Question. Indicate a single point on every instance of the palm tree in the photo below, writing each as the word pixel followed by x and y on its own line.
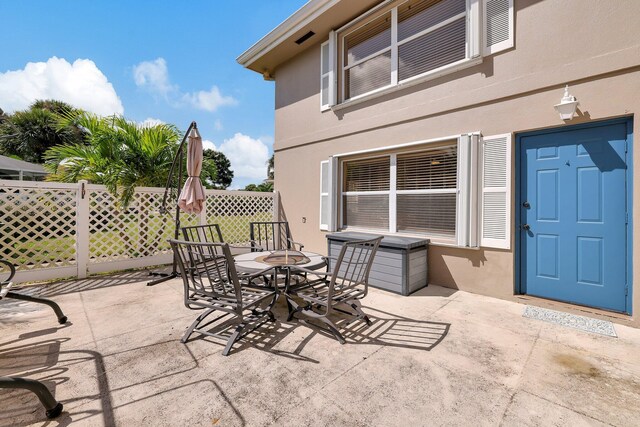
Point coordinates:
pixel 119 154
pixel 271 169
pixel 29 133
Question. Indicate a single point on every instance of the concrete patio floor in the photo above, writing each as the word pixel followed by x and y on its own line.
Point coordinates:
pixel 438 357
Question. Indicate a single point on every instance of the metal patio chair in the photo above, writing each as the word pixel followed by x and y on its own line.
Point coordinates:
pixel 272 236
pixel 211 282
pixel 340 289
pixel 52 407
pixel 208 233
pixel 7 271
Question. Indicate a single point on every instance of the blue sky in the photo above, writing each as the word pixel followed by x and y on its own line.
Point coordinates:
pixel 172 61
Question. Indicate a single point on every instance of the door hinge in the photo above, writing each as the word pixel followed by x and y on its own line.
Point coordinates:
pixel 626 290
pixel 626 218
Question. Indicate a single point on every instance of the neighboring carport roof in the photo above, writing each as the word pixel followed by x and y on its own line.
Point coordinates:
pixel 7 163
pixel 319 16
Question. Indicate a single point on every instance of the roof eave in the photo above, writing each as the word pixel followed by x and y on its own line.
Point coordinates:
pixel 303 16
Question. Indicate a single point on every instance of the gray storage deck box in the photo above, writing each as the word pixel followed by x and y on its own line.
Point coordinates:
pixel 400 265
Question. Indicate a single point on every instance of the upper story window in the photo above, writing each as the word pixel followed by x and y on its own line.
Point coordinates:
pixel 410 40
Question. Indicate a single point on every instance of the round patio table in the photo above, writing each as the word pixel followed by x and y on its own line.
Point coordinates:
pixel 255 261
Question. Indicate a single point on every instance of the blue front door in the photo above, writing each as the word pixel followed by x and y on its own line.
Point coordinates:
pixel 573 215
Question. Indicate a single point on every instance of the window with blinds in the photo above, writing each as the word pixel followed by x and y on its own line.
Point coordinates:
pixel 403 42
pixel 431 34
pixel 365 199
pixel 412 193
pixel 367 57
pixel 411 39
pixel 426 192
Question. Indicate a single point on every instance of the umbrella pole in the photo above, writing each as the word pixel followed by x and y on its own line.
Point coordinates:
pixel 179 158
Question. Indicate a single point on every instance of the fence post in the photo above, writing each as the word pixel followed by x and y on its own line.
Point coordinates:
pixel 276 206
pixel 82 229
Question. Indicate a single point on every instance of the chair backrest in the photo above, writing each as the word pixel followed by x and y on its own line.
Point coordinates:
pixel 208 233
pixel 270 236
pixel 353 265
pixel 207 269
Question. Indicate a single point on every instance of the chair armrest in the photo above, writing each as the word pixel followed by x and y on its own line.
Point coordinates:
pixel 5 287
pixel 251 276
pixel 248 248
pixel 255 247
pixel 294 243
pixel 295 269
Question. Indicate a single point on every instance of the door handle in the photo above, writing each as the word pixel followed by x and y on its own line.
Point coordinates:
pixel 526 227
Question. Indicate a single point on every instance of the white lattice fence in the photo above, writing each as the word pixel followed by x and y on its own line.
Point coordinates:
pixel 233 211
pixel 129 238
pixel 38 227
pixel 51 230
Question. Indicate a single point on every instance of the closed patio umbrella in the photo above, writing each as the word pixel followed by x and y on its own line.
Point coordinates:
pixel 192 197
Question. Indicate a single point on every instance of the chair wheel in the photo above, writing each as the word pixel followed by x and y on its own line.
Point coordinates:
pixel 62 320
pixel 53 413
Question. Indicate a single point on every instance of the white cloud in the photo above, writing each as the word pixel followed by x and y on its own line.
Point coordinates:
pixel 217 125
pixel 208 100
pixel 150 122
pixel 208 145
pixel 154 77
pixel 248 156
pixel 81 84
pixel 266 139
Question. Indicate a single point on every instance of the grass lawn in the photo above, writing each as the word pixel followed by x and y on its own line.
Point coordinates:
pixel 124 241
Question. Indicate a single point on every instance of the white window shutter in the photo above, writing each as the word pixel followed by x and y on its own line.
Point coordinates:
pixel 325 78
pixel 327 72
pixel 474 178
pixel 496 192
pixel 467 207
pixel 497 27
pixel 474 29
pixel 333 64
pixel 328 194
pixel 325 196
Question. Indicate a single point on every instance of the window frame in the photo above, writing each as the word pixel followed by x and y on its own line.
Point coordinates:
pixel 472 47
pixel 393 192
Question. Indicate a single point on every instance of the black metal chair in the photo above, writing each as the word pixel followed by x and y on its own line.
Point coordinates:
pixel 340 289
pixel 208 233
pixel 52 407
pixel 211 282
pixel 272 236
pixel 7 272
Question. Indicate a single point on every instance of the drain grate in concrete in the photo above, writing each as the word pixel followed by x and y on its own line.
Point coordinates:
pixel 582 323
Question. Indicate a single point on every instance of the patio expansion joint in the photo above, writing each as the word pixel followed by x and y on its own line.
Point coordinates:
pixel 360 362
pixel 331 381
pixel 449 301
pixel 86 315
pixel 591 417
pixel 517 388
pixel 156 325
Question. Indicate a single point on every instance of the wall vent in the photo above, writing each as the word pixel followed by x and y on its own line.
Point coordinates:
pixel 305 37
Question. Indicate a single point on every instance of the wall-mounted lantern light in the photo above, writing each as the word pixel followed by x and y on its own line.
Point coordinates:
pixel 567 106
